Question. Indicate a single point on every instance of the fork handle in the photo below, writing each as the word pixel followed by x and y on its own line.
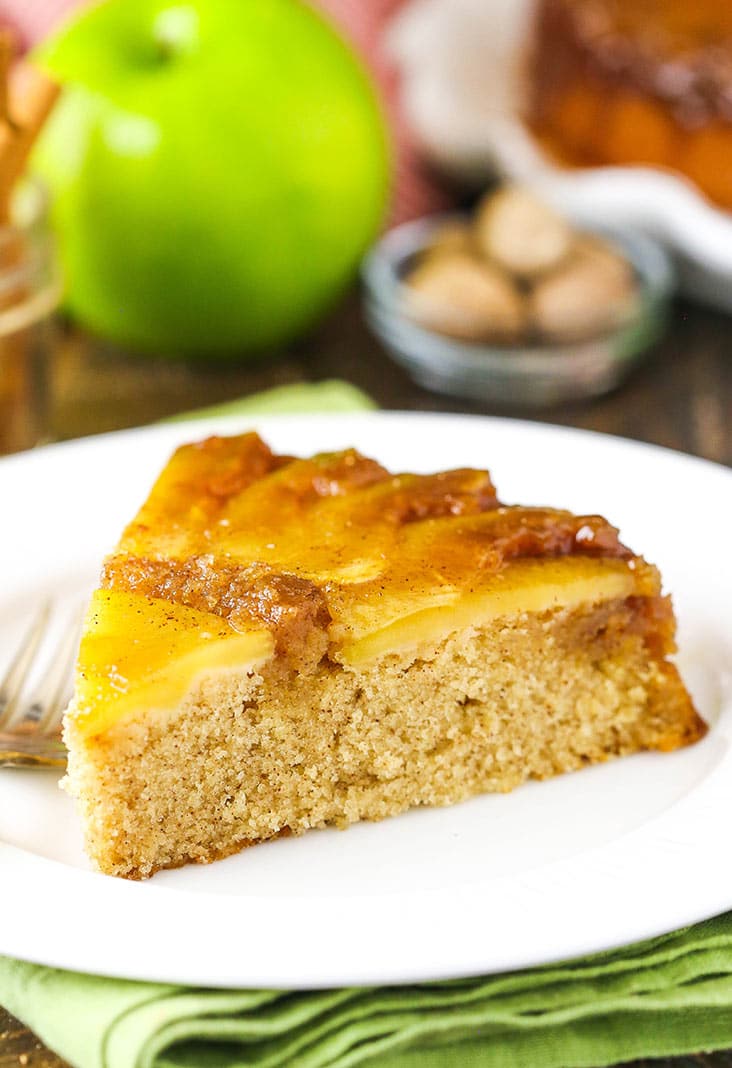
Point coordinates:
pixel 39 752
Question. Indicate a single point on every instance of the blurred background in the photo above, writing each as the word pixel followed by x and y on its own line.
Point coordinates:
pixel 512 207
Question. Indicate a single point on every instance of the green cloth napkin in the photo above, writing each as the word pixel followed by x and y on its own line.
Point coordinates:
pixel 671 995
pixel 300 397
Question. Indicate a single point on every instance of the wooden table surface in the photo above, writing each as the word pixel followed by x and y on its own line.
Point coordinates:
pixel 681 398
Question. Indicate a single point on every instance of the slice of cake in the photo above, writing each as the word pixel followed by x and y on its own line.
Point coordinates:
pixel 279 644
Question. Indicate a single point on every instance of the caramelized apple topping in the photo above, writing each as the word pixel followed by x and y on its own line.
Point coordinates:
pixel 232 529
pixel 293 608
pixel 197 482
pixel 450 493
pixel 335 474
pixel 522 532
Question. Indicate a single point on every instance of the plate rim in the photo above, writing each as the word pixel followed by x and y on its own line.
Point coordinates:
pixel 175 426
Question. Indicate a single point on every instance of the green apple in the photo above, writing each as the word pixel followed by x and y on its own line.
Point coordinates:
pixel 217 168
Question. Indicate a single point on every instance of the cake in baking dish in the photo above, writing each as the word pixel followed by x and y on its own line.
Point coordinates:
pixel 279 644
pixel 637 82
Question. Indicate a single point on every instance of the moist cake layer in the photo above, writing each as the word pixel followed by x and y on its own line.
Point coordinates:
pixel 249 755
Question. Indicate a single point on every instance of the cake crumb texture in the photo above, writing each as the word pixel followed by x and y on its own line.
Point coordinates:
pixel 247 756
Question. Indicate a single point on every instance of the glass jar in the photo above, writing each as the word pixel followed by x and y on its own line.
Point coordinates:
pixel 29 294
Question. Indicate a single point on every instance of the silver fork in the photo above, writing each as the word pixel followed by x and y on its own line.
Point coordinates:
pixel 30 726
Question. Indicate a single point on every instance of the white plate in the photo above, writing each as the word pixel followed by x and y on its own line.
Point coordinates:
pixel 580 863
pixel 463 88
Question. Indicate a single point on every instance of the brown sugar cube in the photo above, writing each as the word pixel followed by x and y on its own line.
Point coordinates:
pixel 462 297
pixel 520 233
pixel 593 291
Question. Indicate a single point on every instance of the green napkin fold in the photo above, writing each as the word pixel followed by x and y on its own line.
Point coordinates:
pixel 671 995
pixel 332 395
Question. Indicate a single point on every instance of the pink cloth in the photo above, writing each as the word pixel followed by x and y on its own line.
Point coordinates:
pixel 416 191
pixel 33 18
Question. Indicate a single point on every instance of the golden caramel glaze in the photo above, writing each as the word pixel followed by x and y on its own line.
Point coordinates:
pixel 293 608
pixel 636 81
pixel 327 550
pixel 137 649
pixel 188 507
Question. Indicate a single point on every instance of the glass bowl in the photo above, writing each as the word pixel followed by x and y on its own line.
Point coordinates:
pixel 527 375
